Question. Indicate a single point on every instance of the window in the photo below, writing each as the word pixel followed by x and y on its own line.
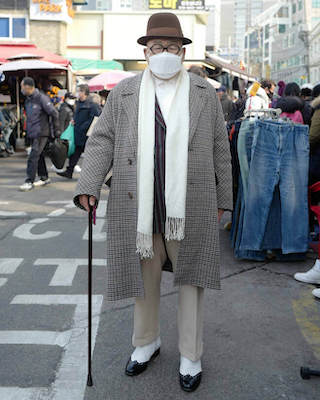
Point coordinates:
pixel 283 12
pixel 13 28
pixel 266 32
pixel 300 5
pixel 292 40
pixel 316 3
pixel 266 49
pixel 126 3
pixel 294 8
pixel 18 27
pixel 282 28
pixel 4 27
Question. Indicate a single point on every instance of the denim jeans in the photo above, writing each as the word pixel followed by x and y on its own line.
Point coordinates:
pixel 244 145
pixel 279 155
pixel 36 160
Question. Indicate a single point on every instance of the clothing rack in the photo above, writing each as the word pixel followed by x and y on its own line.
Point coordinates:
pixel 272 112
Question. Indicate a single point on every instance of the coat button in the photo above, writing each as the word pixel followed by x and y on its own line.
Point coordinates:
pixel 130 195
pixel 129 161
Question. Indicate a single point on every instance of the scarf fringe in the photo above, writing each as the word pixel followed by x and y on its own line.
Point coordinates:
pixel 144 245
pixel 174 228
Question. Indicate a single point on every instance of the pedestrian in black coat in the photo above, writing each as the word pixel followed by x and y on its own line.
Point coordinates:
pixel 41 117
pixel 86 110
pixel 66 111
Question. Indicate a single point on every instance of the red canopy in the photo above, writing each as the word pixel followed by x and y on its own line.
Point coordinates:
pixel 8 50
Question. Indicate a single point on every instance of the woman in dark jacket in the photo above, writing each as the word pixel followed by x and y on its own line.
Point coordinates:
pixel 66 111
pixel 291 102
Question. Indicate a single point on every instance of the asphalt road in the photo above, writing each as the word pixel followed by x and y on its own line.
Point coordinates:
pixel 259 329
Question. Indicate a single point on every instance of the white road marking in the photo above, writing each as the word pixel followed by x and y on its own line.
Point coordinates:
pixel 12 213
pixel 57 213
pixel 50 338
pixel 9 265
pixel 4 202
pixel 24 231
pixel 66 268
pixel 17 393
pixel 102 209
pixel 71 377
pixel 68 203
pixel 97 234
pixel 3 281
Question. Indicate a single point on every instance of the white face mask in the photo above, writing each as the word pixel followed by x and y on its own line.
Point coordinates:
pixel 71 102
pixel 165 65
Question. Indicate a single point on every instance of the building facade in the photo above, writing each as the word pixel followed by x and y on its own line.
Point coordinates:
pixel 291 52
pixel 315 55
pixel 100 35
pixel 245 13
pixel 279 44
pixel 259 39
pixel 43 23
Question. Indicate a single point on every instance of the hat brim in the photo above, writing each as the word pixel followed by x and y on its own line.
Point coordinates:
pixel 144 39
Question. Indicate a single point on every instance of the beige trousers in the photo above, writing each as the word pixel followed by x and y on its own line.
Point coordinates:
pixel 146 327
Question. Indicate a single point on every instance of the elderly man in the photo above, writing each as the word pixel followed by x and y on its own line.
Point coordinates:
pixel 164 135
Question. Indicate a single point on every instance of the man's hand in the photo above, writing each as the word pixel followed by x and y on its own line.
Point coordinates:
pixel 220 214
pixel 85 200
pixel 72 122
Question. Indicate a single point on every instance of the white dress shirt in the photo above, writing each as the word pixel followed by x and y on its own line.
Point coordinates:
pixel 165 90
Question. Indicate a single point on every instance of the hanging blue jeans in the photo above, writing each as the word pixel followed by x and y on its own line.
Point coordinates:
pixel 244 145
pixel 279 155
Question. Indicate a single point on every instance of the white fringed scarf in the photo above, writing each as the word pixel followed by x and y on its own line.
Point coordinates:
pixel 176 163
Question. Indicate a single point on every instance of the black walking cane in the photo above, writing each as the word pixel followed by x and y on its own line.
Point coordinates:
pixel 91 216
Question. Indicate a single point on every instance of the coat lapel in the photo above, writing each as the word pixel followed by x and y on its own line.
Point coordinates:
pixel 130 99
pixel 197 101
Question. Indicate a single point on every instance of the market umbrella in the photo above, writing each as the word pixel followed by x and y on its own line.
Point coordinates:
pixel 108 80
pixel 214 83
pixel 25 65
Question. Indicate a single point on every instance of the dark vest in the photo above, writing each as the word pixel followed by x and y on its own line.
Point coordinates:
pixel 159 205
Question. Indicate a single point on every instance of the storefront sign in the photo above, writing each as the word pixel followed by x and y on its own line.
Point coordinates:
pixel 51 10
pixel 177 4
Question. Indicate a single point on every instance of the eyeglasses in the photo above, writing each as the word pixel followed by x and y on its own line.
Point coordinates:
pixel 158 48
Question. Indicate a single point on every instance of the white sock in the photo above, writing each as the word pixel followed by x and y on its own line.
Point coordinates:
pixel 188 367
pixel 144 353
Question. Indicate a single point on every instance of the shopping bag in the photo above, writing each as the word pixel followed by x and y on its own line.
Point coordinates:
pixel 57 151
pixel 68 135
pixel 90 130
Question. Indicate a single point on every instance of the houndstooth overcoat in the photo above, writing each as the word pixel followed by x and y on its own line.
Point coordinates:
pixel 113 144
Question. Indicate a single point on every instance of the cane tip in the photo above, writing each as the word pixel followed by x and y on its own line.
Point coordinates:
pixel 89 381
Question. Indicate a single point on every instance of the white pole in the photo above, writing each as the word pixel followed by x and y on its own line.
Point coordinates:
pixel 18 104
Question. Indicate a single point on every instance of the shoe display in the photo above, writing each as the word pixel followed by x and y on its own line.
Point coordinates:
pixel 316 293
pixel 65 174
pixel 26 187
pixel 190 383
pixel 134 368
pixel 311 276
pixel 42 182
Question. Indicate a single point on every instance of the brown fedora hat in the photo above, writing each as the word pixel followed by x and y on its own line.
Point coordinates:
pixel 163 25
